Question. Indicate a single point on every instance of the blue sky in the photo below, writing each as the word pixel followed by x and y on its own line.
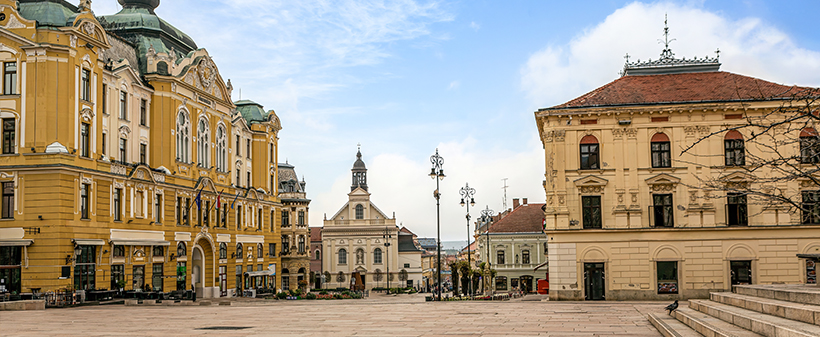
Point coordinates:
pixel 404 77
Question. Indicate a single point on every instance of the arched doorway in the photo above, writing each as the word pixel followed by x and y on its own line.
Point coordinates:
pixel 203 270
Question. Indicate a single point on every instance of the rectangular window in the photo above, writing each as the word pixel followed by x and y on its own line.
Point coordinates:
pixel 186 213
pixel 239 278
pixel 271 156
pixel 156 277
pixel 105 99
pixel 119 251
pixel 207 216
pixel 810 149
pixel 667 277
pixel 104 143
pixel 143 149
pixel 9 127
pixel 260 219
pixel 663 211
pixel 85 87
pixel 734 152
pixel 182 273
pixel 589 156
pixel 406 265
pixel 179 210
pixel 224 216
pixel 500 283
pixel 286 245
pixel 248 182
pixel 271 250
pixel 285 219
pixel 117 204
pixel 237 149
pixel 736 214
pixel 85 189
pixel 10 78
pixel 8 200
pixel 85 269
pixel 123 105
pixel 238 178
pixel 117 276
pixel 123 147
pixel 499 257
pixel 248 148
pixel 301 218
pixel 661 156
pixel 272 219
pixel 592 211
pixel 158 209
pixel 239 217
pixel 140 196
pixel 811 207
pixel 143 112
pixel 525 257
pixel 85 142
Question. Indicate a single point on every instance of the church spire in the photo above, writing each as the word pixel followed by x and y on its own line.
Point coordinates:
pixel 359 172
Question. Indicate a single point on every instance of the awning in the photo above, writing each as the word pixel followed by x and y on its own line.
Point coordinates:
pixel 809 256
pixel 545 264
pixel 122 242
pixel 89 242
pixel 15 242
pixel 260 273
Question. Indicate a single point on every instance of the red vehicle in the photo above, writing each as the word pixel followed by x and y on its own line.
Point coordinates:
pixel 544 286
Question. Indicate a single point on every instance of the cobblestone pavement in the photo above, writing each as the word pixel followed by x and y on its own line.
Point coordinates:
pixel 379 315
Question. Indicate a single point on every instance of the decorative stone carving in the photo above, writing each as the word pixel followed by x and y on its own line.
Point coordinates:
pixel 117 169
pixel 159 177
pixel 139 175
pixel 207 72
pixel 554 135
pixel 619 133
pixel 87 180
pixel 71 38
pixel 89 28
pixel 87 115
pixel 661 188
pixel 561 199
pixel 118 184
pixel 591 189
pixel 690 130
pixel 15 23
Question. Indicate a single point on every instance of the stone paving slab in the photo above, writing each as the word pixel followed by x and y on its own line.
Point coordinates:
pixel 405 315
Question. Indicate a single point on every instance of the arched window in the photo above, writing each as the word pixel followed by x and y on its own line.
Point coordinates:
pixel 359 212
pixel 377 256
pixel 661 151
pixel 223 250
pixel 318 254
pixel 183 134
pixel 259 251
pixel 181 250
pixel 239 251
pixel 734 149
pixel 221 149
pixel 203 136
pixel 342 256
pixel 589 153
pixel 809 146
pixel 359 256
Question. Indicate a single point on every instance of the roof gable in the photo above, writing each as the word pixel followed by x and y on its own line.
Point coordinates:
pixel 527 218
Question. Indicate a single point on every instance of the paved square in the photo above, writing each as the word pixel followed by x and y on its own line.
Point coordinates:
pixel 405 315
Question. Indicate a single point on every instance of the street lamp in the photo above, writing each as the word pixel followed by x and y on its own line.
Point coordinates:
pixel 386 236
pixel 487 216
pixel 437 172
pixel 467 193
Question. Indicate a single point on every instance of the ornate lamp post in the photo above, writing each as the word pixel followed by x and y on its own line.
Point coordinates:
pixel 386 236
pixel 487 215
pixel 437 172
pixel 467 193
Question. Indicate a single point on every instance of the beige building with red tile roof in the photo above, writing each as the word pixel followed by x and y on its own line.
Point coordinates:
pixel 624 216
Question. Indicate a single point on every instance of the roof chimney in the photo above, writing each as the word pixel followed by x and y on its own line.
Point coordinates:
pixel 515 203
pixel 524 201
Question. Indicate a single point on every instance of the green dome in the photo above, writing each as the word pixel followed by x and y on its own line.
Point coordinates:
pixel 47 13
pixel 251 111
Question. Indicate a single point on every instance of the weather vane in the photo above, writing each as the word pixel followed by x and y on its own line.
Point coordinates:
pixel 667 53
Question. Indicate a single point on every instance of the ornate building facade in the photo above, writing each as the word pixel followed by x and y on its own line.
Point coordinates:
pixel 295 233
pixel 125 163
pixel 625 217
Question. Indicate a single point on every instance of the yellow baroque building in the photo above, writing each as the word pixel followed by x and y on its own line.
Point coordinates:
pixel 125 163
pixel 624 215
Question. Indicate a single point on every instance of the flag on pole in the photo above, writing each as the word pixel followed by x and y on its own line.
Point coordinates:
pixel 234 199
pixel 218 199
pixel 198 199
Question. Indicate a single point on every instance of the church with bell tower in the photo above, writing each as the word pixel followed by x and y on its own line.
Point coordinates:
pixel 360 242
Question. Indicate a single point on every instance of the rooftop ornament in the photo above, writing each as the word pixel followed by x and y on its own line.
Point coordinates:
pixel 668 64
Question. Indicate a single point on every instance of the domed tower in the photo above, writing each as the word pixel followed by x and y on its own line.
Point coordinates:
pixel 359 173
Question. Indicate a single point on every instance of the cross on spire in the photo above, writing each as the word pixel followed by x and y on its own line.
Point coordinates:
pixel 667 53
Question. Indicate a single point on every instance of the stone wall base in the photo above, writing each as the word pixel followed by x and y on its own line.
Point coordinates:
pixel 23 305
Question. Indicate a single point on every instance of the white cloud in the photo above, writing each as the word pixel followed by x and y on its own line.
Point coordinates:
pixel 475 26
pixel 749 46
pixel 454 85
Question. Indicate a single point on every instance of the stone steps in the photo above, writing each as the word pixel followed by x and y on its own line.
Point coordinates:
pixel 797 293
pixel 709 326
pixel 671 327
pixel 806 313
pixel 766 325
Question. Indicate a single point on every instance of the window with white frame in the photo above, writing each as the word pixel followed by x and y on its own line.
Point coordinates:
pixel 85 91
pixel 9 78
pixel 221 149
pixel 203 135
pixel 183 134
pixel 124 105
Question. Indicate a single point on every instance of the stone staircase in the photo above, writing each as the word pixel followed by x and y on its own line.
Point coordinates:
pixel 751 310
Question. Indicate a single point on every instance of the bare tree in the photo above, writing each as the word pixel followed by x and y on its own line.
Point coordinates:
pixel 378 276
pixel 770 155
pixel 340 277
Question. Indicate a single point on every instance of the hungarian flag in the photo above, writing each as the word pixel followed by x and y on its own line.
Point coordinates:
pixel 219 199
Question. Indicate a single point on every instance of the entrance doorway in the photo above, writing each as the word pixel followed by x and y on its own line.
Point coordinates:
pixel 594 281
pixel 139 277
pixel 526 284
pixel 223 281
pixel 741 272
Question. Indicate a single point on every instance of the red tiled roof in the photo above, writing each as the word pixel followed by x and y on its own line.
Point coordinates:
pixel 404 229
pixel 680 88
pixel 528 218
pixel 315 234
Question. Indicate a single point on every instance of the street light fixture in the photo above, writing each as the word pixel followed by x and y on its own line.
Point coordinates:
pixel 386 236
pixel 437 172
pixel 467 193
pixel 487 216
